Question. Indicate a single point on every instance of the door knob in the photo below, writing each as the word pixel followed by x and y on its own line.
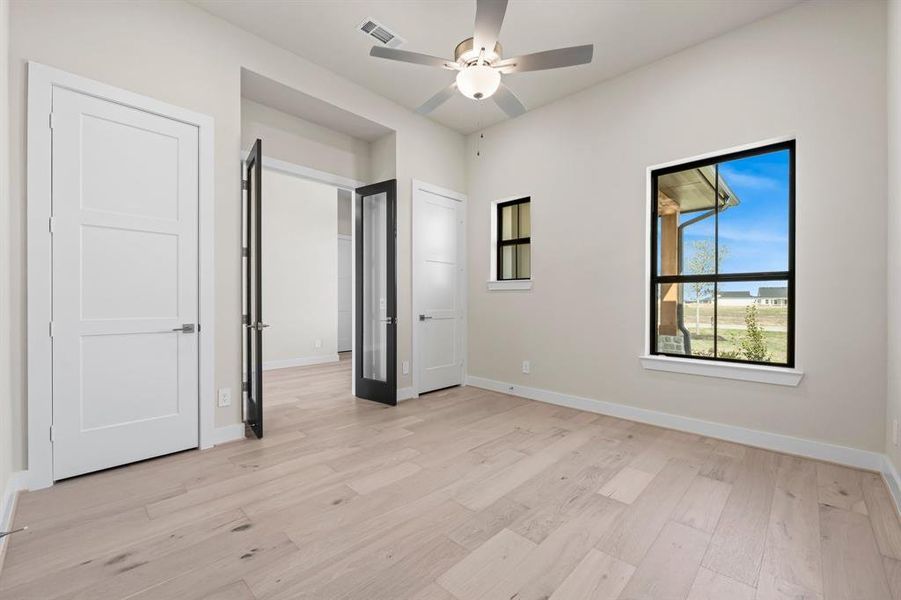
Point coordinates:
pixel 186 328
pixel 424 317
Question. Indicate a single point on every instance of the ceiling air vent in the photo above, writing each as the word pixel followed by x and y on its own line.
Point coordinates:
pixel 385 36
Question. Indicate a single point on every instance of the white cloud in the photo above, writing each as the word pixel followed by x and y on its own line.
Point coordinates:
pixel 746 180
pixel 735 234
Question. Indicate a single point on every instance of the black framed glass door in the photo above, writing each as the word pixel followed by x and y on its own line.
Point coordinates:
pixel 251 265
pixel 375 343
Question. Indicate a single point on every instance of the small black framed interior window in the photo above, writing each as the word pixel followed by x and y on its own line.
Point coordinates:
pixel 723 257
pixel 514 249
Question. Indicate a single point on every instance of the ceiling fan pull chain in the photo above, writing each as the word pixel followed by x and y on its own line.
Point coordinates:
pixel 481 133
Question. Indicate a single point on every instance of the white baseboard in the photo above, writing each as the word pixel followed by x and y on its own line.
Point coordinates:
pixel 17 483
pixel 228 433
pixel 406 393
pixel 853 457
pixel 302 361
pixel 893 481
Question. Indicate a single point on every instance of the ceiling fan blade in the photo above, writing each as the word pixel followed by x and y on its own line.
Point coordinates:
pixel 508 102
pixel 412 57
pixel 437 100
pixel 489 18
pixel 549 59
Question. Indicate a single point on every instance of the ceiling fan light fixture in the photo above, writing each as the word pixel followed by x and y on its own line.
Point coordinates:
pixel 478 81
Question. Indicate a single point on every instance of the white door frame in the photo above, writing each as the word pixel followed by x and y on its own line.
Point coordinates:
pixel 419 187
pixel 41 81
pixel 308 173
pixel 350 238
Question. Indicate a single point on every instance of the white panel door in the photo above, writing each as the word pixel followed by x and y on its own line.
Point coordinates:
pixel 438 228
pixel 125 200
pixel 345 293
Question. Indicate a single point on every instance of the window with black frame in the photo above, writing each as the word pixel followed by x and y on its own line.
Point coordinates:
pixel 514 249
pixel 722 257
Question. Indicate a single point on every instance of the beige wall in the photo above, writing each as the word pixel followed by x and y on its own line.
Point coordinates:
pixel 383 163
pixel 894 227
pixel 180 54
pixel 7 462
pixel 345 212
pixel 816 73
pixel 302 142
pixel 300 269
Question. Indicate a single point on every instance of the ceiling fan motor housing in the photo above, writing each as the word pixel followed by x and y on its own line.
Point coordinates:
pixel 466 54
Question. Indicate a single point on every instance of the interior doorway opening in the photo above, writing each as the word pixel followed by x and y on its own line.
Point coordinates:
pixel 314 159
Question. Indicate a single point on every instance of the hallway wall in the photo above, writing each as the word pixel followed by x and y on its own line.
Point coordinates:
pixel 303 143
pixel 300 271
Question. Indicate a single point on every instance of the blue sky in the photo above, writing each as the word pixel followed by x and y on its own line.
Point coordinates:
pixel 756 231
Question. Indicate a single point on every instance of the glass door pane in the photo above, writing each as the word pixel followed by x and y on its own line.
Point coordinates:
pixel 375 287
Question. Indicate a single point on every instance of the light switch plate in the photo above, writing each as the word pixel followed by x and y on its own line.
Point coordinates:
pixel 405 367
pixel 318 343
pixel 225 397
pixel 526 367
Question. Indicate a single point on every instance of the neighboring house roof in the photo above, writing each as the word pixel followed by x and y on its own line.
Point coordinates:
pixel 744 294
pixel 773 292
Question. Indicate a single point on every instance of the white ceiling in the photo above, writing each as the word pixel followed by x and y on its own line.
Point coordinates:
pixel 626 35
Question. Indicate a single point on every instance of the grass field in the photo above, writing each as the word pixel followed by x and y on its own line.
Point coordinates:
pixel 731 324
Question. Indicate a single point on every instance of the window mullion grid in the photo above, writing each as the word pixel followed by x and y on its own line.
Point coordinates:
pixel 723 277
pixel 500 237
pixel 716 253
pixel 515 242
pixel 516 248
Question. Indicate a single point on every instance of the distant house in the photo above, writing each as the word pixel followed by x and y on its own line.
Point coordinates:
pixel 742 298
pixel 772 296
pixel 766 296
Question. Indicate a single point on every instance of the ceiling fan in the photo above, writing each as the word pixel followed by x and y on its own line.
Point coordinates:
pixel 479 63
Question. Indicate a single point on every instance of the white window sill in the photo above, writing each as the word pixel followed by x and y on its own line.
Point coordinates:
pixel 516 284
pixel 724 370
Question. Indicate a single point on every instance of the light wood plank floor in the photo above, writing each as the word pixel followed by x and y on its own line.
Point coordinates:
pixel 462 494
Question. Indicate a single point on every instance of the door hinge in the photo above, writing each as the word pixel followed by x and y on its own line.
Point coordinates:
pixel 51 433
pixel 245 386
pixel 51 225
pixel 245 252
pixel 51 120
pixel 244 184
pixel 51 329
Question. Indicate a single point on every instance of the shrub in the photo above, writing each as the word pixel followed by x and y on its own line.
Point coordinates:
pixel 752 345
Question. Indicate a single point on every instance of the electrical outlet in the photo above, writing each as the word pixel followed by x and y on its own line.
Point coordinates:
pixel 405 367
pixel 526 367
pixel 318 343
pixel 895 432
pixel 225 397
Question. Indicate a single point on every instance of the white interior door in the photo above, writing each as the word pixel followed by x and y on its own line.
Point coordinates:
pixel 345 294
pixel 125 281
pixel 438 230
